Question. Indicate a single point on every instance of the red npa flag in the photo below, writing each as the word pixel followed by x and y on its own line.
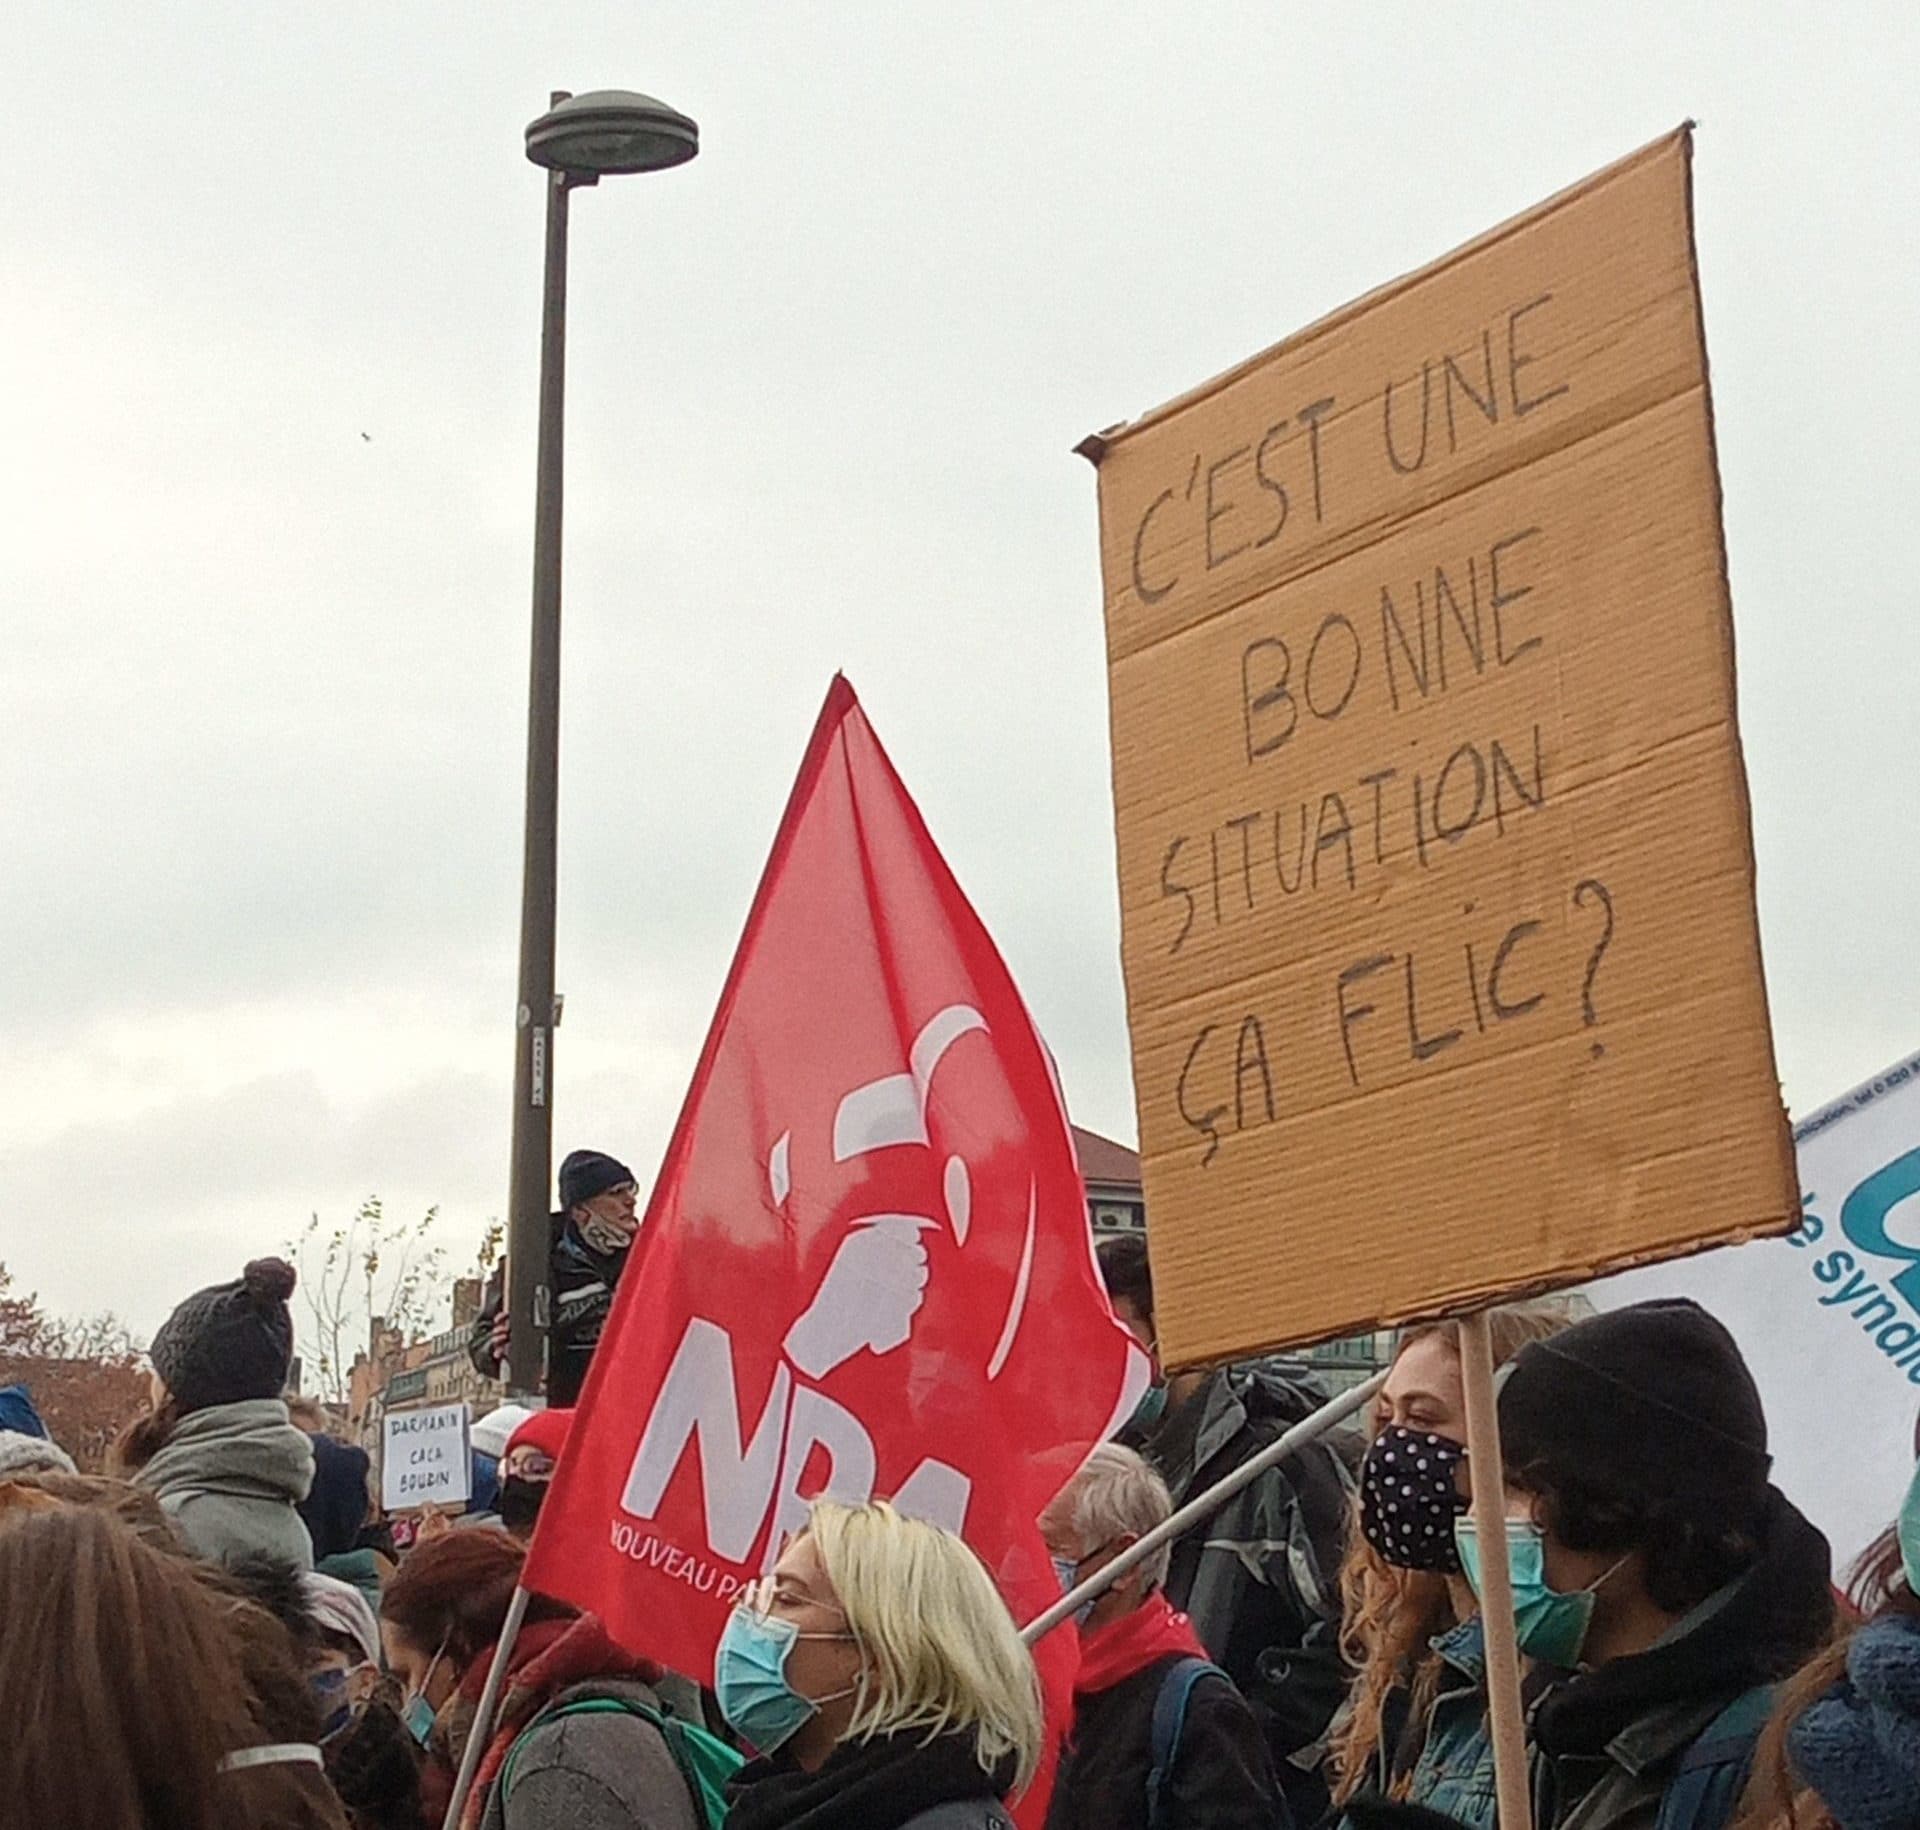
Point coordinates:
pixel 866 1268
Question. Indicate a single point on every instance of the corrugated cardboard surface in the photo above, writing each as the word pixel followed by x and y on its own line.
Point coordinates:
pixel 1436 876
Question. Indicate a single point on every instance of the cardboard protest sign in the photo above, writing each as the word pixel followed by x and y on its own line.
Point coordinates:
pixel 1436 878
pixel 425 1458
pixel 1829 1318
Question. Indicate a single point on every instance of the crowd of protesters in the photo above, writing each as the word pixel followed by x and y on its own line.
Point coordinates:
pixel 220 1632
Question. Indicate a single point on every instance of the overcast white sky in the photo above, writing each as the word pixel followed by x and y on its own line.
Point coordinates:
pixel 262 704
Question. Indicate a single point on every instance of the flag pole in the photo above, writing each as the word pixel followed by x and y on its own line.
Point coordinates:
pixel 484 1711
pixel 1309 1429
pixel 1484 1464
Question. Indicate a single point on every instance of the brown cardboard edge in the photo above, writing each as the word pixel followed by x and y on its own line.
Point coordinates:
pixel 1094 446
pixel 1788 1165
pixel 1097 445
pixel 1497 1296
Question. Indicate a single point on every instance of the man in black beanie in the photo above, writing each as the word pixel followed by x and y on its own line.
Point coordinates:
pixel 1662 1585
pixel 593 1232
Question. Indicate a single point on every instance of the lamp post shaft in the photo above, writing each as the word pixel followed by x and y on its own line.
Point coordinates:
pixel 529 1245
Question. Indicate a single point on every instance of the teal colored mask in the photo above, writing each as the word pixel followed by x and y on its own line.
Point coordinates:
pixel 1551 1627
pixel 750 1679
pixel 417 1713
pixel 419 1717
pixel 1151 1408
pixel 1909 1532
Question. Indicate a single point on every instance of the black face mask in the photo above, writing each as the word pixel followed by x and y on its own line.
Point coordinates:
pixel 1408 1501
pixel 520 1502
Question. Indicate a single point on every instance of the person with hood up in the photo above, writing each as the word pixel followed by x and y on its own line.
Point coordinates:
pixel 593 1234
pixel 1259 1579
pixel 217 1447
pixel 527 1469
pixel 1661 1585
pixel 31 1455
pixel 1161 1740
pixel 341 1497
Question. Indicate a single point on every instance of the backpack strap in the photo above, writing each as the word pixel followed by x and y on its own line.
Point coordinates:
pixel 1169 1723
pixel 702 1768
pixel 1712 1773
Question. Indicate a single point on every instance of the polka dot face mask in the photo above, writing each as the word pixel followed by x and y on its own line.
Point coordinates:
pixel 1408 1501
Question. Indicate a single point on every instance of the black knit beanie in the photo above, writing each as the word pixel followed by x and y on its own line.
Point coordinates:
pixel 230 1342
pixel 1651 1403
pixel 587 1173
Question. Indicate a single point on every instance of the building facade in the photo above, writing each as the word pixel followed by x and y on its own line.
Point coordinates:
pixel 394 1374
pixel 1115 1201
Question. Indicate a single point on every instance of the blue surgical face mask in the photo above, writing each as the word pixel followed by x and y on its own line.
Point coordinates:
pixel 419 1716
pixel 1068 1573
pixel 417 1713
pixel 1908 1529
pixel 1550 1626
pixel 750 1678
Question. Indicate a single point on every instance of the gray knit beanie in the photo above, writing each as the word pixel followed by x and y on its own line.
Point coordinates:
pixel 32 1455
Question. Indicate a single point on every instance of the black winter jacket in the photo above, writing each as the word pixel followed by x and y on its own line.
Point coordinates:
pixel 1260 1578
pixel 895 1782
pixel 1222 1776
pixel 1607 1742
pixel 581 1282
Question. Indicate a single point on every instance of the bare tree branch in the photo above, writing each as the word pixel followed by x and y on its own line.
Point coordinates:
pixel 369 1268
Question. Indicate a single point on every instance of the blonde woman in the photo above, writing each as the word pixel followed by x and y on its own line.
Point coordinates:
pixel 1414 1727
pixel 881 1680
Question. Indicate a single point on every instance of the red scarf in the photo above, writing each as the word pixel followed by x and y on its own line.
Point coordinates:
pixel 1111 1654
pixel 549 1656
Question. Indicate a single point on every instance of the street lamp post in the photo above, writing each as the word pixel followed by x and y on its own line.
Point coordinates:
pixel 580 140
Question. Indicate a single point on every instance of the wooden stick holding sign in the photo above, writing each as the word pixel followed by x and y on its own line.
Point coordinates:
pixel 1484 1465
pixel 1309 1429
pixel 484 1711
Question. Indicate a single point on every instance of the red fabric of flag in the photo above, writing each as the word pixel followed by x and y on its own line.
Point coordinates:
pixel 866 1268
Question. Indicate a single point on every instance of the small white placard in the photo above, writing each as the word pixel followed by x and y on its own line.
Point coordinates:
pixel 425 1459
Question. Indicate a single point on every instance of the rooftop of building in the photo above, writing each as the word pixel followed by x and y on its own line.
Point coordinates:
pixel 1102 1160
